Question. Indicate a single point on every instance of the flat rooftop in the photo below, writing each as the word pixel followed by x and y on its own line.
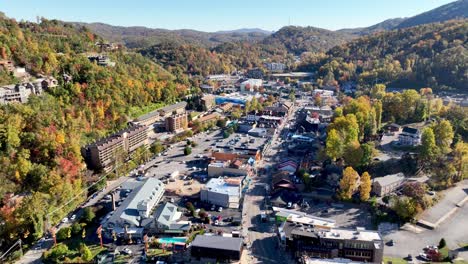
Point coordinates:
pixel 219 185
pixel 240 143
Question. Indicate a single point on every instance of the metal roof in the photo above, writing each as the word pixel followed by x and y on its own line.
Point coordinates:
pixel 218 242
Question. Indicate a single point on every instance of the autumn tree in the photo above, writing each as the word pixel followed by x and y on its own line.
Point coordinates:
pixel 460 160
pixel 365 186
pixel 348 183
pixel 334 145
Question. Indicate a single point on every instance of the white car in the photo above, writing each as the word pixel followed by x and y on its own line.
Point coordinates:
pixel 65 220
pixel 73 217
pixel 216 223
pixel 220 209
pixel 127 251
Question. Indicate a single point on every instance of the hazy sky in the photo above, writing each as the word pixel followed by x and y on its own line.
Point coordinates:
pixel 214 15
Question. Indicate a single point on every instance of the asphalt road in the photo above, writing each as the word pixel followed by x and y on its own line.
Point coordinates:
pixel 261 237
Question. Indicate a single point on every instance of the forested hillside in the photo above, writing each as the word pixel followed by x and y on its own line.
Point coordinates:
pixel 454 10
pixel 40 141
pixel 297 40
pixel 143 37
pixel 432 55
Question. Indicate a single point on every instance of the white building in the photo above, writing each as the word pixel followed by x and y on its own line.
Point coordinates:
pixel 136 210
pixel 251 85
pixel 222 192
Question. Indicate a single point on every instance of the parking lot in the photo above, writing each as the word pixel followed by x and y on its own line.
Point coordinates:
pixel 345 215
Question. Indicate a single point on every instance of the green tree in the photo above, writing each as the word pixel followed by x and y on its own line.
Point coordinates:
pixel 187 150
pixel 404 207
pixel 86 254
pixel 378 91
pixel 442 243
pixel 353 154
pixel 428 145
pixel 156 147
pixel 88 215
pixel 365 187
pixel 334 145
pixel 460 160
pixel 56 253
pixel 348 183
pixel 378 114
pixel 443 134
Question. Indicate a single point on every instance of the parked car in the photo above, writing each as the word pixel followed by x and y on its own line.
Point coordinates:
pixel 424 256
pixel 220 209
pixel 65 220
pixel 127 251
pixel 73 217
pixel 213 207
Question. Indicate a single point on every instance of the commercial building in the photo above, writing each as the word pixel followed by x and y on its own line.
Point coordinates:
pixel 382 186
pixel 308 239
pixel 160 114
pixel 208 101
pixel 251 85
pixel 101 60
pixel 102 153
pixel 167 220
pixel 275 67
pixel 228 168
pixel 208 118
pixel 222 192
pixel 217 247
pixel 409 136
pixel 135 212
pixel 21 92
pixel 176 122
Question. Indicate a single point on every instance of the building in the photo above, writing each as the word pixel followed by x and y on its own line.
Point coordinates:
pixel 228 168
pixel 384 185
pixel 101 60
pixel 275 67
pixel 307 239
pixel 409 136
pixel 251 85
pixel 160 114
pixel 167 220
pixel 288 166
pixel 257 132
pixel 177 108
pixel 222 192
pixel 297 217
pixel 135 212
pixel 102 153
pixel 208 101
pixel 176 122
pixel 279 109
pixel 226 107
pixel 217 247
pixel 209 118
pixel 21 92
pixel 393 127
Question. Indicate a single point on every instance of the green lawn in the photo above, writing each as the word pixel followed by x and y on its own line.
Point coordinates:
pixel 158 252
pixel 394 260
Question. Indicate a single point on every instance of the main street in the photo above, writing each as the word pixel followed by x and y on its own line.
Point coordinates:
pixel 261 238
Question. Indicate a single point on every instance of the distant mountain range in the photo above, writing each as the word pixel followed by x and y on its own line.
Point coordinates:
pixel 140 37
pixel 295 39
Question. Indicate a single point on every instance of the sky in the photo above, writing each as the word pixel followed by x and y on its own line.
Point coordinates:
pixel 215 15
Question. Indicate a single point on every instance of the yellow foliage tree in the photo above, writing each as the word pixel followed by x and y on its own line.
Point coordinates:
pixel 365 187
pixel 348 183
